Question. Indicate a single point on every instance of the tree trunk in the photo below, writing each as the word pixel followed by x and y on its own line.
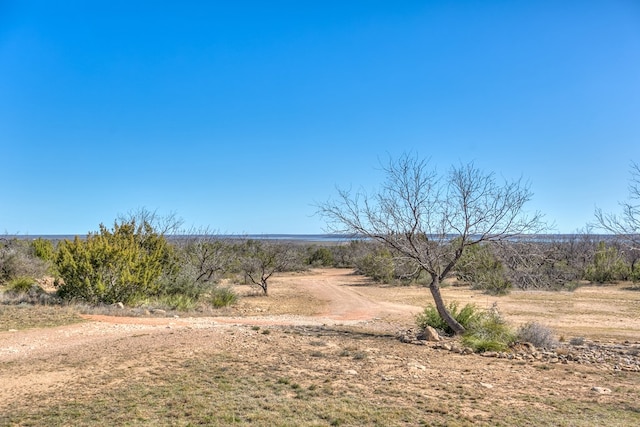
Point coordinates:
pixel 434 287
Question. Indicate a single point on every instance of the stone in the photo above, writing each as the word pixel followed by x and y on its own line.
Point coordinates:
pixel 489 354
pixel 601 390
pixel 429 334
pixel 351 372
pixel 486 385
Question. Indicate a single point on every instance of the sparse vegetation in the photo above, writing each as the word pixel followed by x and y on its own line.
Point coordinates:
pixel 17 261
pixel 488 331
pixel 537 334
pixel 259 260
pixel 431 219
pixel 607 266
pixel 430 317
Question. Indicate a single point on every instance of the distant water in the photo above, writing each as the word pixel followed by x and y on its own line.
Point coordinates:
pixel 330 238
pixel 312 238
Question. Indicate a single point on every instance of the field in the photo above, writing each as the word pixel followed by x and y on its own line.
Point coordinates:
pixel 322 349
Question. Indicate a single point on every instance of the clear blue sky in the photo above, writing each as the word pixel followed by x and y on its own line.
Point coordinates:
pixel 242 115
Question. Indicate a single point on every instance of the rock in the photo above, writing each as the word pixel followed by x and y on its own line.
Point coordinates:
pixel 118 305
pixel 429 334
pixel 158 311
pixel 489 354
pixel 447 346
pixel 601 390
pixel 486 385
pixel 351 372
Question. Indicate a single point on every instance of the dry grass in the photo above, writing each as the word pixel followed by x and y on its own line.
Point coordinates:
pixel 24 316
pixel 320 376
pixel 303 383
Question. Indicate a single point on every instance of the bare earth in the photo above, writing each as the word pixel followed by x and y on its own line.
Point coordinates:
pixel 313 318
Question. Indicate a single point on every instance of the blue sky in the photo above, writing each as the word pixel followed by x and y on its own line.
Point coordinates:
pixel 242 115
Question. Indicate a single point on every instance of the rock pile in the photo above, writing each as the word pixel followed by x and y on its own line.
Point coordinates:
pixel 615 356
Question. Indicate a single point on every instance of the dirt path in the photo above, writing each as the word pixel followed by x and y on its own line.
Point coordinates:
pixel 95 347
pixel 339 288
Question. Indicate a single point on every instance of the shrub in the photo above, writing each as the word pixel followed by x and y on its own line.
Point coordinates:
pixel 321 257
pixel 431 317
pixel 482 270
pixel 378 265
pixel 537 334
pixel 24 285
pixel 123 264
pixel 488 331
pixel 607 266
pixel 223 297
pixel 43 249
pixel 16 261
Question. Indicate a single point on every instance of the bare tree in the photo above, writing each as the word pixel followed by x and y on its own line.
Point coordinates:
pixel 164 225
pixel 430 220
pixel 205 254
pixel 625 225
pixel 262 258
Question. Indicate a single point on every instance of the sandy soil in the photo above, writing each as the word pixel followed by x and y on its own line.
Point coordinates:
pixel 40 362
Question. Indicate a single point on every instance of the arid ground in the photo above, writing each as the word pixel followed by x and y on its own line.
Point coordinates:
pixel 322 349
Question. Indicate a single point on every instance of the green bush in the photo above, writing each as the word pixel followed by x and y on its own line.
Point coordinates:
pixel 488 331
pixel 378 265
pixel 123 264
pixel 482 270
pixel 24 285
pixel 431 317
pixel 43 249
pixel 321 257
pixel 607 266
pixel 485 330
pixel 222 297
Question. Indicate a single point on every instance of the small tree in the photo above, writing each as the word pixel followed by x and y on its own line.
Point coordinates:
pixel 260 259
pixel 430 219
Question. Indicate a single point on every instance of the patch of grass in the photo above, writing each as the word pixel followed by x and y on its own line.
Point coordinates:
pixel 177 302
pixel 24 285
pixel 25 316
pixel 222 297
